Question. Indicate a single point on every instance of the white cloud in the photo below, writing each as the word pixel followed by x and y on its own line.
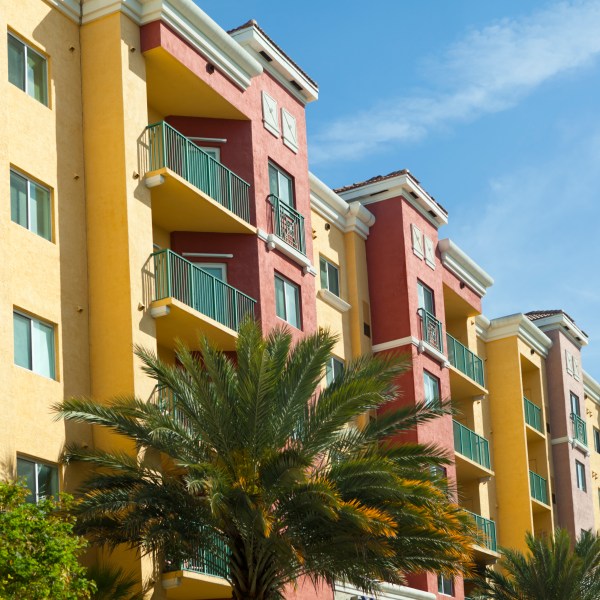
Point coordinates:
pixel 489 70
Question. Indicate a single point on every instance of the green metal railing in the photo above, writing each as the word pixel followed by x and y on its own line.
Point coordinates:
pixel 486 531
pixel 167 402
pixel 431 329
pixel 464 360
pixel 288 223
pixel 166 147
pixel 176 277
pixel 579 430
pixel 539 487
pixel 471 445
pixel 210 560
pixel 533 414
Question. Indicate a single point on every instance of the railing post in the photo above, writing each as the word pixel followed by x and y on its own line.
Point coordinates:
pixel 163 141
pixel 229 198
pixel 167 259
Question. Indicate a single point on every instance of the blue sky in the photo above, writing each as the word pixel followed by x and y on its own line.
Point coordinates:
pixel 493 106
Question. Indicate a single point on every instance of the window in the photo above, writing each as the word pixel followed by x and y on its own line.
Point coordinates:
pixel 597 440
pixel 580 472
pixel 330 277
pixel 280 185
pixel 287 301
pixel 333 369
pixel 217 270
pixel 212 152
pixel 30 205
pixel 41 479
pixel 426 300
pixel 445 585
pixel 27 69
pixel 432 388
pixel 34 345
pixel 575 404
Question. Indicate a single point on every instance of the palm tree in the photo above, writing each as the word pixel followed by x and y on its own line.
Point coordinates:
pixel 552 570
pixel 251 462
pixel 112 583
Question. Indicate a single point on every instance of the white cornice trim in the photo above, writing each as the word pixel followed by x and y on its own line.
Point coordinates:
pixel 333 300
pixel 464 267
pixel 591 388
pixel 192 24
pixel 347 217
pixel 519 325
pixel 280 66
pixel 403 185
pixel 405 341
pixel 69 8
pixel 567 327
pixel 387 591
pixel 275 243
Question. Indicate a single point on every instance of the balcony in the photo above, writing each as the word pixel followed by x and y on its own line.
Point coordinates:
pixel 431 330
pixel 464 360
pixel 539 487
pixel 186 300
pixel 473 453
pixel 201 576
pixel 579 430
pixel 533 415
pixel 191 191
pixel 288 224
pixel 486 531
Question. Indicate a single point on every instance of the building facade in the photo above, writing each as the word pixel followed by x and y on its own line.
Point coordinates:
pixel 156 184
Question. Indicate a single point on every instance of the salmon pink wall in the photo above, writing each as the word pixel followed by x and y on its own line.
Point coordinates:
pixel 247 152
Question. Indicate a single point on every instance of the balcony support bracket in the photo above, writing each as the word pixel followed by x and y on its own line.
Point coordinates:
pixel 275 243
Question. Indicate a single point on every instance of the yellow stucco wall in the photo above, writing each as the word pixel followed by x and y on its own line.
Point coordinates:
pixel 592 412
pixel 47 279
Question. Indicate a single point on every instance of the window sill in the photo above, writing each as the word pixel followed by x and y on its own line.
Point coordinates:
pixel 334 300
pixel 275 243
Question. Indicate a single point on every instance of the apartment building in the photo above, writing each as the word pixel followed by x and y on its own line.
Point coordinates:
pixel 156 183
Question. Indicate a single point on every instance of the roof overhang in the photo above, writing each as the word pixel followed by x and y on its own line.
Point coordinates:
pixel 464 267
pixel 514 325
pixel 347 217
pixel 565 325
pixel 402 185
pixel 279 65
pixel 189 21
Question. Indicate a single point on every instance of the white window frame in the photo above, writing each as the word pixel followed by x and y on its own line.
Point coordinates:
pixel 287 284
pixel 28 49
pixel 211 265
pixel 426 289
pixel 442 581
pixel 330 369
pixel 36 491
pixel 33 369
pixel 210 149
pixel 580 476
pixel 431 401
pixel 325 275
pixel 31 182
pixel 281 174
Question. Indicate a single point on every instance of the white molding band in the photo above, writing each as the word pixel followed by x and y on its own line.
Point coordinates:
pixel 421 345
pixel 574 443
pixel 464 267
pixel 275 243
pixel 333 300
pixel 562 322
pixel 404 185
pixel 591 388
pixel 191 23
pixel 517 324
pixel 280 67
pixel 346 216
pixel 387 591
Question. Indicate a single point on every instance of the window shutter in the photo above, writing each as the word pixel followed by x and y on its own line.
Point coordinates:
pixel 417 241
pixel 270 116
pixel 576 368
pixel 288 124
pixel 569 361
pixel 429 252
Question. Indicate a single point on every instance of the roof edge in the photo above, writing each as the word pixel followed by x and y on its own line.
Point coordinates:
pixel 464 267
